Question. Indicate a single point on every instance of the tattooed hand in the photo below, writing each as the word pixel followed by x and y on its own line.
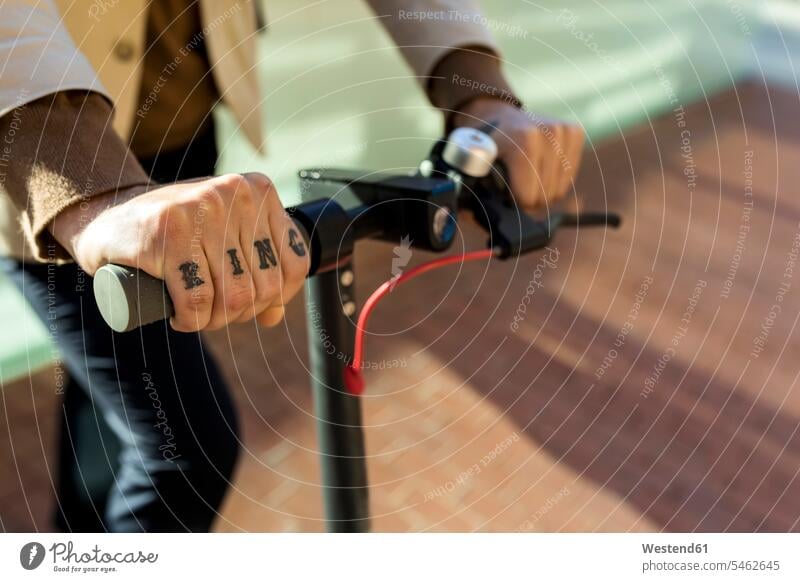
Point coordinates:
pixel 225 246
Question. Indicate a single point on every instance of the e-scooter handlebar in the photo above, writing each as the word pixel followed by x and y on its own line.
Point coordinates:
pixel 459 172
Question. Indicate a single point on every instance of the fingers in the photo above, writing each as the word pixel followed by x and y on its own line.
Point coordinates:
pixel 234 289
pixel 293 258
pixel 525 171
pixel 573 151
pixel 233 285
pixel 190 286
pixel 257 244
pixel 274 253
pixel 555 160
pixel 256 259
pixel 177 258
pixel 542 161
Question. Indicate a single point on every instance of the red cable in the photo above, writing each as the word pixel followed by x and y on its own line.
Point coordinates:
pixel 353 380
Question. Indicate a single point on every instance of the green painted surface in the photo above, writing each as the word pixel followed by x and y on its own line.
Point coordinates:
pixel 24 342
pixel 338 94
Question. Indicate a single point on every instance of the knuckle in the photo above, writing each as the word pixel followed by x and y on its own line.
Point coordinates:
pixel 207 200
pixel 173 224
pixel 186 326
pixel 575 129
pixel 197 299
pixel 260 182
pixel 230 182
pixel 520 160
pixel 163 226
pixel 530 141
pixel 215 323
pixel 246 199
pixel 238 298
pixel 519 140
pixel 231 186
pixel 573 134
pixel 243 202
pixel 296 269
pixel 193 309
pixel 535 130
pixel 268 285
pixel 272 200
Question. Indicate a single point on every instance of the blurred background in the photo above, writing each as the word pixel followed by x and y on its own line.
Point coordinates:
pixel 594 433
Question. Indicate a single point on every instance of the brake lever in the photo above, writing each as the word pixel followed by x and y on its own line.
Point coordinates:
pixel 512 231
pixel 611 219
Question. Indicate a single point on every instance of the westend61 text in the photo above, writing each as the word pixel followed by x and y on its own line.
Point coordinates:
pixel 673 549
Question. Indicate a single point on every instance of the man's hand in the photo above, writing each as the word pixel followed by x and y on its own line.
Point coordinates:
pixel 225 247
pixel 541 155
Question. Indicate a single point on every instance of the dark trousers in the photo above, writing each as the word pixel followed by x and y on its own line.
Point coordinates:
pixel 149 434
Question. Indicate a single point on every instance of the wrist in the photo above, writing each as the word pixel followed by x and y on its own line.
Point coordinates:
pixel 465 76
pixel 68 226
pixel 481 110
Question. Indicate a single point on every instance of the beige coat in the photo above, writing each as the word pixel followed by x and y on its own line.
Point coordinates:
pixel 48 46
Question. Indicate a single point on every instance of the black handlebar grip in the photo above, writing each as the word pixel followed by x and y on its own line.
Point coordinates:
pixel 129 298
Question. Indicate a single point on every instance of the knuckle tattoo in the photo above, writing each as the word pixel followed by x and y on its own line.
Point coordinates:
pixel 235 263
pixel 266 254
pixel 296 243
pixel 189 274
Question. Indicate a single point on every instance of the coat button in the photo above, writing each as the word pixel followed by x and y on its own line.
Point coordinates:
pixel 123 50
